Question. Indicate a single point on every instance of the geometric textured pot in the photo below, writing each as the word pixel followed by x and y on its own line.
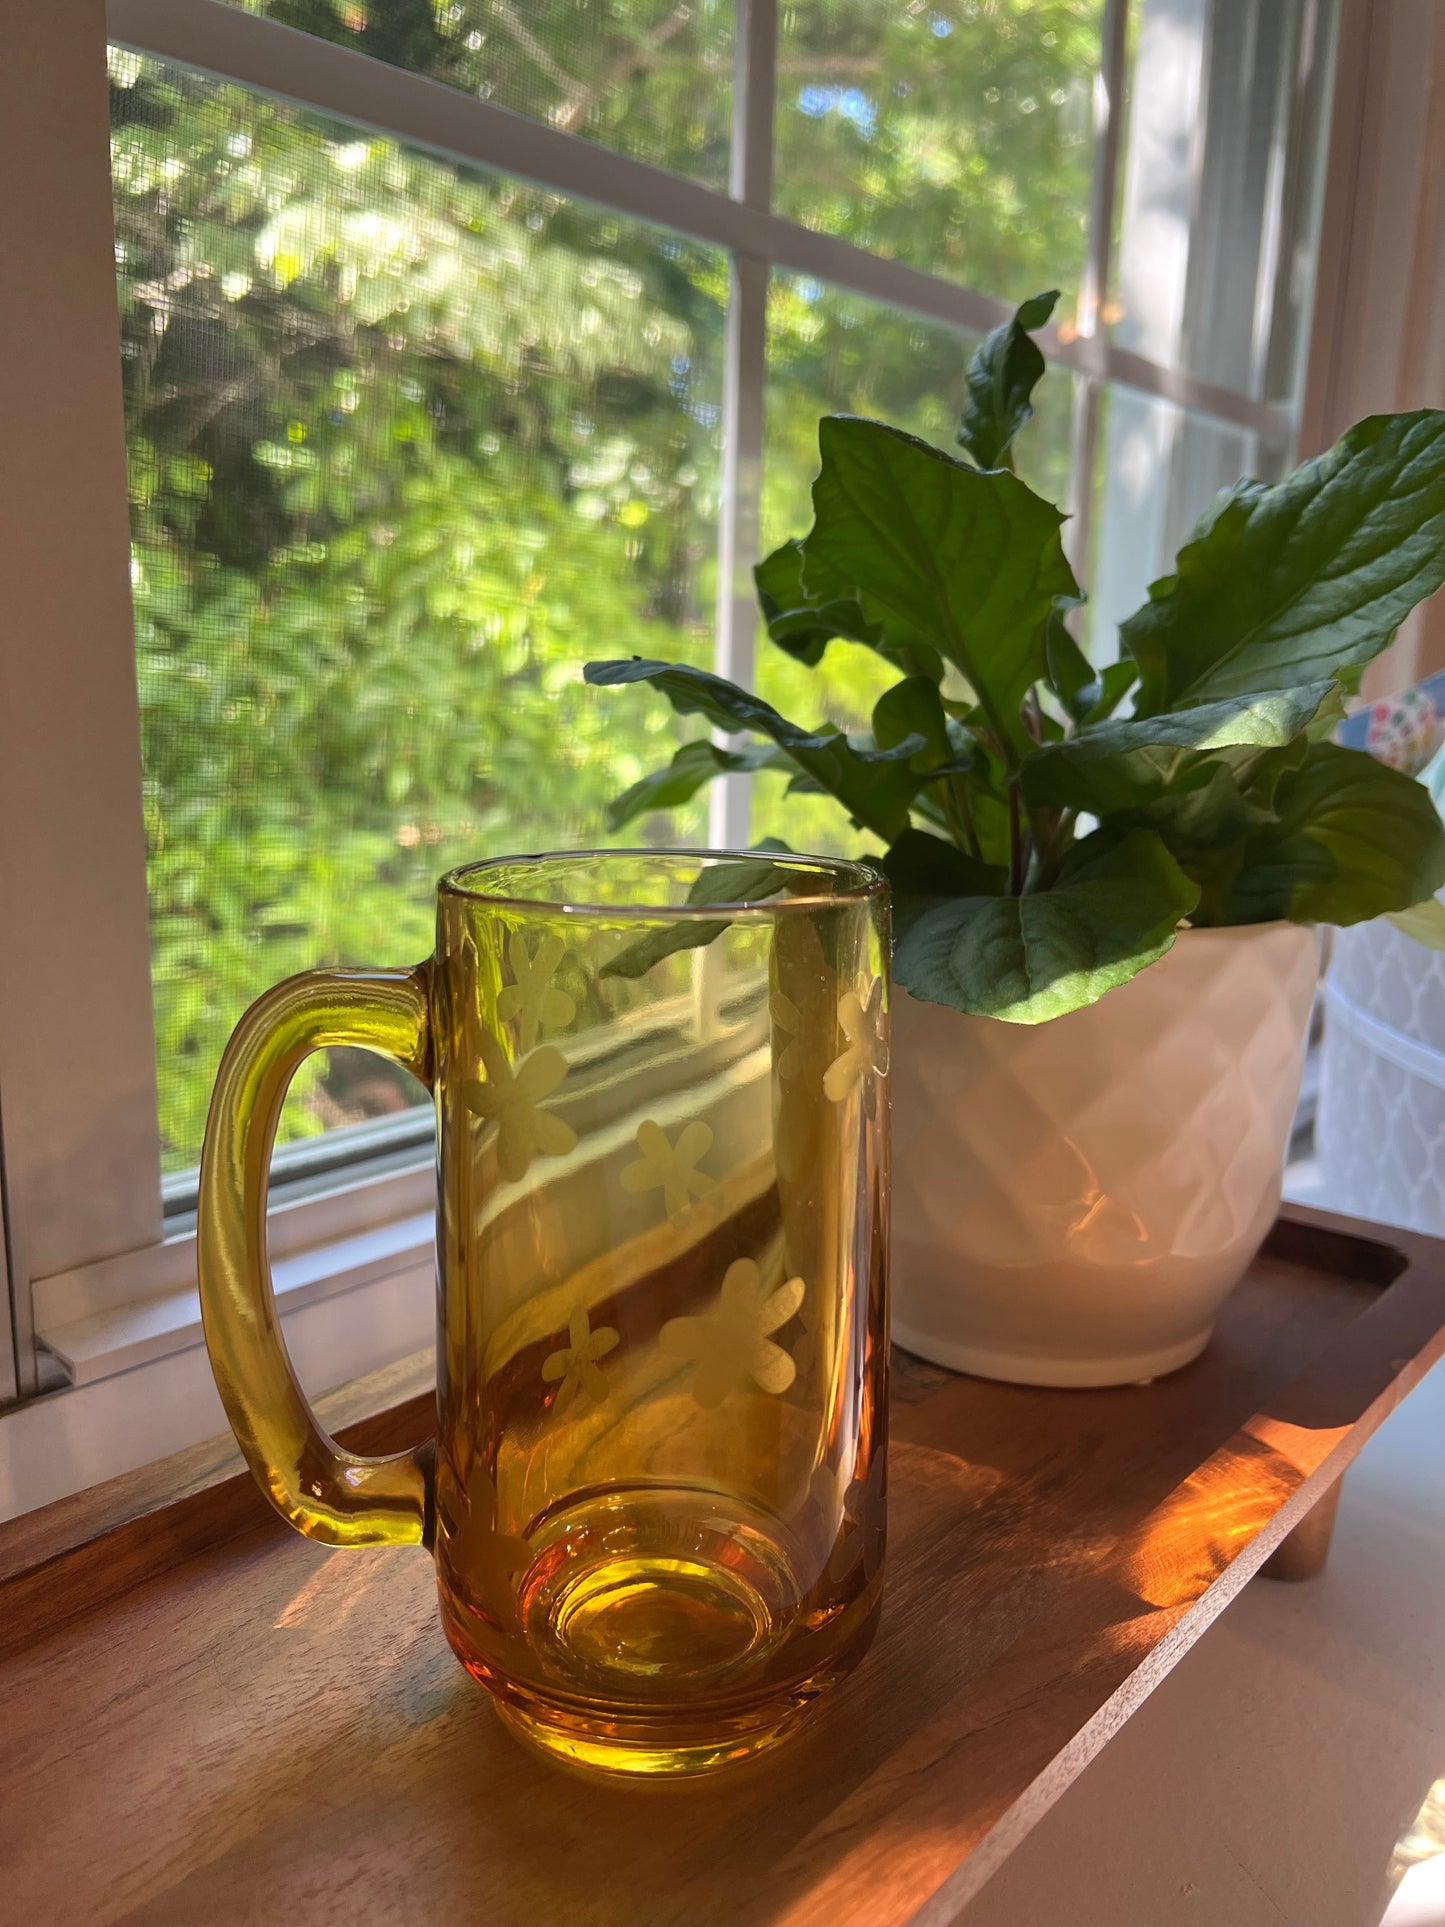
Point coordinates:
pixel 1073 1201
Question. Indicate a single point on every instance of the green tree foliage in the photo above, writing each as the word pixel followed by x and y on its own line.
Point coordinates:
pixel 951 134
pixel 408 442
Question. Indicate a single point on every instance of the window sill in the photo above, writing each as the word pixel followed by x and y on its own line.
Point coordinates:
pixel 141 1385
pixel 303 1230
pixel 120 1337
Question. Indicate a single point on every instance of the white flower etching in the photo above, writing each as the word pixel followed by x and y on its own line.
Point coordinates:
pixel 866 1055
pixel 729 1345
pixel 533 998
pixel 788 1024
pixel 512 1097
pixel 671 1168
pixel 577 1365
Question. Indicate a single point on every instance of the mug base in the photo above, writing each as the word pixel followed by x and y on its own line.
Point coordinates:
pixel 651 1756
pixel 645 1595
pixel 661 1631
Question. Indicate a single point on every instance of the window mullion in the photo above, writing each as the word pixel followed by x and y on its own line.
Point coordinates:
pixel 744 390
pixel 755 75
pixel 77 1053
pixel 744 382
pixel 1109 84
pixel 1108 131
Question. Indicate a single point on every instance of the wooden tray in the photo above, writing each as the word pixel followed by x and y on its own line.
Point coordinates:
pixel 207 1719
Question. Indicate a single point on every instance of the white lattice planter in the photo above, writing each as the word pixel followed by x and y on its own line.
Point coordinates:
pixel 1073 1201
pixel 1380 1127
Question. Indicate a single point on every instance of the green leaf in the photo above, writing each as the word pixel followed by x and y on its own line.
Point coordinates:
pixel 744 881
pixel 990 819
pixel 1104 695
pixel 1424 922
pixel 1002 374
pixel 1069 670
pixel 1125 764
pixel 972 562
pixel 920 865
pixel 694 765
pixel 913 708
pixel 875 786
pixel 1295 583
pixel 804 625
pixel 793 622
pixel 1206 813
pixel 1354 840
pixel 1115 909
pixel 1328 717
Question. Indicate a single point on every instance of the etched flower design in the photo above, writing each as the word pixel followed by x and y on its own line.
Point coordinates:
pixel 865 1510
pixel 492 1556
pixel 512 1097
pixel 671 1168
pixel 866 1055
pixel 533 998
pixel 729 1345
pixel 576 1365
pixel 787 1023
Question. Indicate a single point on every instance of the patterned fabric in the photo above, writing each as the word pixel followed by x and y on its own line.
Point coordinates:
pixel 1403 730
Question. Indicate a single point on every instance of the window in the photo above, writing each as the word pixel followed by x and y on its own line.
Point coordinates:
pixel 406 441
pixel 458 343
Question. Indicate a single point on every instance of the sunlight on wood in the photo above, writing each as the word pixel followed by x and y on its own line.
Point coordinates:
pixel 1304 1447
pixel 342 1583
pixel 1182 1549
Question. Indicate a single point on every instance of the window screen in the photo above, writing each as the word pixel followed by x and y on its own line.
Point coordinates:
pixel 407 444
pixel 649 78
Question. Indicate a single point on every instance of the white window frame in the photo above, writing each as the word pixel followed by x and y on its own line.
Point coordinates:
pixel 94 1274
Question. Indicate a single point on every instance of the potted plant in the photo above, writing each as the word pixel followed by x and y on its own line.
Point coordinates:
pixel 1105 880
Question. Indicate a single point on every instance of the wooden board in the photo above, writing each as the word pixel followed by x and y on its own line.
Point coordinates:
pixel 255 1729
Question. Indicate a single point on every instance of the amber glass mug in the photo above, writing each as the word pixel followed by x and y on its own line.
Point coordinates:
pixel 656 1491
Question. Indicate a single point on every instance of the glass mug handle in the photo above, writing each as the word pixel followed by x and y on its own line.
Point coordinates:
pixel 324 1491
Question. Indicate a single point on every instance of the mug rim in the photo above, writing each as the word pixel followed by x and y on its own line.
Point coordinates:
pixel 862 883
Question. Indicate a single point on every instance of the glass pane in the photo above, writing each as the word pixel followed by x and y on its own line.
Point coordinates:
pixel 1222 176
pixel 955 135
pixel 652 78
pixel 1159 468
pixel 407 445
pixel 830 353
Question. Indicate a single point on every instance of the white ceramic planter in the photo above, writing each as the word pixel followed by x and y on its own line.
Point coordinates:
pixel 1072 1202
